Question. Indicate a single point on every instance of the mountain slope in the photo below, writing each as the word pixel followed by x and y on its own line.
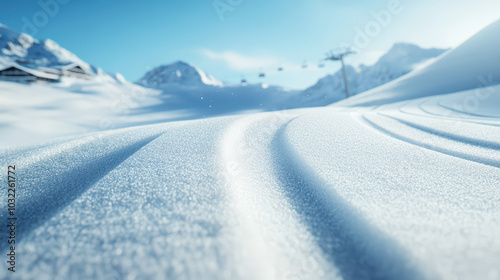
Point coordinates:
pixel 401 59
pixel 473 64
pixel 26 50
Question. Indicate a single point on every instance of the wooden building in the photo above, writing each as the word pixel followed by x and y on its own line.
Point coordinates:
pixel 21 74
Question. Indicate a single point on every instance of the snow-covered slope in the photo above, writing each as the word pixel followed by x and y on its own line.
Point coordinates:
pixel 473 64
pixel 401 59
pixel 30 114
pixel 190 93
pixel 178 102
pixel 179 73
pixel 409 191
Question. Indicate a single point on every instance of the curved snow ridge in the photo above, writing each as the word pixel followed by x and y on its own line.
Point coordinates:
pixel 357 248
pixel 431 141
pixel 411 109
pixel 26 156
pixel 260 259
pixel 441 209
pixel 464 112
pixel 160 214
pixel 274 242
pixel 458 134
pixel 51 182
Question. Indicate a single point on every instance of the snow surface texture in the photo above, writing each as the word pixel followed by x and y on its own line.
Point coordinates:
pixel 391 193
pixel 401 190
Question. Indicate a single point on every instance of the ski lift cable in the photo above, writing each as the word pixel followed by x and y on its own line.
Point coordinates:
pixel 332 55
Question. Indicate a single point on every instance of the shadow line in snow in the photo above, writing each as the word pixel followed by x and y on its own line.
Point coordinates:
pixel 466 113
pixel 433 116
pixel 357 249
pixel 457 154
pixel 458 138
pixel 60 189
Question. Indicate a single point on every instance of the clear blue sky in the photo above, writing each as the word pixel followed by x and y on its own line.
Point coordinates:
pixel 131 37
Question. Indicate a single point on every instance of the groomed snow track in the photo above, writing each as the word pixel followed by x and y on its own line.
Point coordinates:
pixel 392 193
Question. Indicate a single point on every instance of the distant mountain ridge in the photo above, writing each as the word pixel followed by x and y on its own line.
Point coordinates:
pixel 401 59
pixel 179 73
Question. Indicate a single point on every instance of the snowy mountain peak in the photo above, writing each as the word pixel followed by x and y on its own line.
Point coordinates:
pixel 180 73
pixel 23 49
pixel 408 55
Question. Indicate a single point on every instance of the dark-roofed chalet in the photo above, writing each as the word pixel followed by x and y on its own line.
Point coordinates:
pixel 17 73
